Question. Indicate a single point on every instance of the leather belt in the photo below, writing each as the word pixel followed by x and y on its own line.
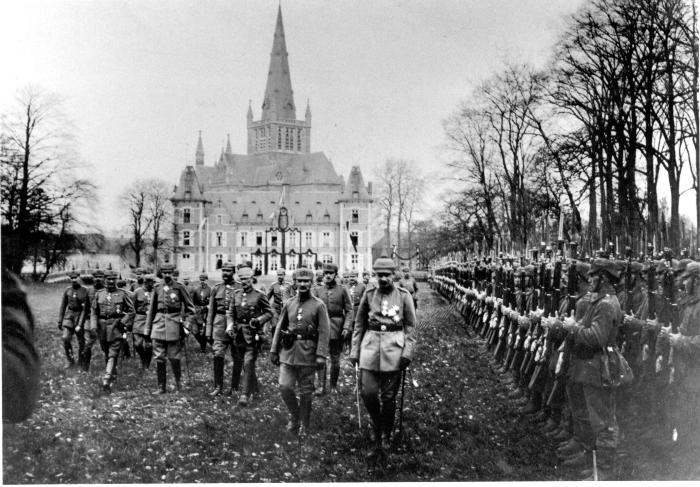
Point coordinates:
pixel 385 327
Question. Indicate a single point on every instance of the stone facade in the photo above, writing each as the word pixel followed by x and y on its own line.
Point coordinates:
pixel 234 209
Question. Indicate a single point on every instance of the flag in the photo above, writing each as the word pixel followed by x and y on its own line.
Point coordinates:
pixel 353 238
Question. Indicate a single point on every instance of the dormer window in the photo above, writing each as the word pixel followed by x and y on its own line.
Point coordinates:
pixel 355 216
pixel 309 216
pixel 327 217
pixel 244 216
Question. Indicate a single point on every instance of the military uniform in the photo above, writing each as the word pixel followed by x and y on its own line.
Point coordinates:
pixel 91 337
pixel 356 290
pixel 110 307
pixel 247 314
pixel 220 300
pixel 74 310
pixel 382 344
pixel 142 340
pixel 169 306
pixel 200 297
pixel 409 284
pixel 299 343
pixel 339 306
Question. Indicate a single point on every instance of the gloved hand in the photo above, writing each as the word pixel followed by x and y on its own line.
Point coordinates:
pixel 404 363
pixel 320 363
pixel 275 358
pixel 60 325
pixel 231 332
pixel 354 361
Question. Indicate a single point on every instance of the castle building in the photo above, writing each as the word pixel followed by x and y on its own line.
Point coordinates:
pixel 279 205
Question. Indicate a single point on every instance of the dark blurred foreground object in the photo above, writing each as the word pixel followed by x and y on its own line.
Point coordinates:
pixel 20 362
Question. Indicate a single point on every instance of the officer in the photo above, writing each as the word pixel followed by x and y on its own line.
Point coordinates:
pixel 300 345
pixel 220 299
pixel 339 306
pixel 166 315
pixel 356 290
pixel 200 296
pixel 110 307
pixel 142 301
pixel 98 284
pixel 319 279
pixel 409 284
pixel 276 296
pixel 289 292
pixel 139 279
pixel 247 314
pixel 127 321
pixel 365 278
pixel 382 345
pixel 594 335
pixel 76 301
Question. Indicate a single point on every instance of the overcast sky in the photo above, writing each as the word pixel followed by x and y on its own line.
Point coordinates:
pixel 141 78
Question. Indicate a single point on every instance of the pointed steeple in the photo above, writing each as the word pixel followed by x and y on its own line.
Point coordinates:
pixel 250 111
pixel 228 145
pixel 279 97
pixel 199 154
pixel 308 112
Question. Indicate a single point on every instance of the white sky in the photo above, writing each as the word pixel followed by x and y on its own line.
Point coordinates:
pixel 140 78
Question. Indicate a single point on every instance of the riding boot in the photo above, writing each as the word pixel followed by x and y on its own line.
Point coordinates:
pixel 218 376
pixel 236 375
pixel 335 372
pixel 109 372
pixel 162 378
pixel 87 355
pixel 304 414
pixel 68 347
pixel 320 382
pixel 177 372
pixel 290 400
pixel 387 422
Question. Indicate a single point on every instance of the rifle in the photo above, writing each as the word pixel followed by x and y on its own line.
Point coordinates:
pixel 503 318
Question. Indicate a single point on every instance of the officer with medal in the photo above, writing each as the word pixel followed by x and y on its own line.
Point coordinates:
pixel 339 306
pixel 109 309
pixel 97 285
pixel 74 310
pixel 382 344
pixel 142 302
pixel 246 316
pixel 220 299
pixel 200 296
pixel 166 315
pixel 299 347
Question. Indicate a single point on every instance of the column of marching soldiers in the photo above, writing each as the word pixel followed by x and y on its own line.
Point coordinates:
pixel 306 321
pixel 583 342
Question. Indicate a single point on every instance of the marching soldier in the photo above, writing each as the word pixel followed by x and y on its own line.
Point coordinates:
pixel 76 301
pixel 142 340
pixel 247 314
pixel 220 300
pixel 339 306
pixel 91 338
pixel 166 314
pixel 299 346
pixel 200 296
pixel 409 284
pixel 382 345
pixel 594 335
pixel 110 307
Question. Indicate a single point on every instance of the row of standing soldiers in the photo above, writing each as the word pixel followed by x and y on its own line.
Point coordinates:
pixel 232 315
pixel 583 341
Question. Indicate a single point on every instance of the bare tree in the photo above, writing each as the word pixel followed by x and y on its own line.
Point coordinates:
pixel 136 198
pixel 160 209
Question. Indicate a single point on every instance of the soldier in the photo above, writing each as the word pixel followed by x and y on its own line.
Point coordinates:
pixel 97 285
pixel 169 305
pixel 139 280
pixel 110 307
pixel 142 301
pixel 339 306
pixel 409 284
pixel 356 290
pixel 128 320
pixel 594 335
pixel 289 292
pixel 76 300
pixel 247 314
pixel 382 345
pixel 365 278
pixel 319 279
pixel 200 297
pixel 220 300
pixel 276 297
pixel 300 345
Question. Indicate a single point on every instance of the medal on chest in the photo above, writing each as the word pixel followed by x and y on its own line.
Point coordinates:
pixel 243 300
pixel 299 313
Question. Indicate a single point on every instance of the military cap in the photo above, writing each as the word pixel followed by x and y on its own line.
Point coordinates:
pixel 606 265
pixel 330 267
pixel 384 264
pixel 110 274
pixel 167 266
pixel 351 274
pixel 365 273
pixel 73 274
pixel 149 277
pixel 281 272
pixel 203 276
pixel 244 272
pixel 692 270
pixel 99 273
pixel 406 269
pixel 227 266
pixel 121 283
pixel 303 272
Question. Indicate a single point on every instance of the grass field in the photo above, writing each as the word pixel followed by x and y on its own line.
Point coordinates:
pixel 459 424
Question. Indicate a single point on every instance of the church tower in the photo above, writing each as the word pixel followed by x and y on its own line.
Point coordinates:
pixel 278 130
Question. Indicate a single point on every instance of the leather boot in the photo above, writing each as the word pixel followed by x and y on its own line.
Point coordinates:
pixel 235 377
pixel 107 379
pixel 218 376
pixel 177 372
pixel 335 373
pixel 87 356
pixel 304 414
pixel 160 373
pixel 320 382
pixel 69 354
pixel 290 400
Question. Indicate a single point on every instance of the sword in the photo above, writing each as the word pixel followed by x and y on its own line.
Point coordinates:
pixel 357 396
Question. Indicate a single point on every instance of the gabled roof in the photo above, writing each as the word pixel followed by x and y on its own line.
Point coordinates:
pixel 356 184
pixel 189 188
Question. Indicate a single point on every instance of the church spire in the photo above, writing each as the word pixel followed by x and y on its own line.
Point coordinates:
pixel 279 97
pixel 228 145
pixel 199 154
